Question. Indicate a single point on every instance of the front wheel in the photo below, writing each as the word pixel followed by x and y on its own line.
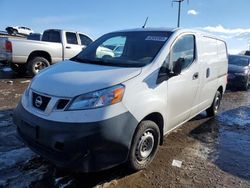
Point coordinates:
pixel 144 145
pixel 213 109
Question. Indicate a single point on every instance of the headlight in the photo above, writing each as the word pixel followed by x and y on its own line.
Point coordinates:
pixel 98 98
pixel 25 96
pixel 27 90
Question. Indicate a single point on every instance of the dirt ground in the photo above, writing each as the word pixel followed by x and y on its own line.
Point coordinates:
pixel 215 152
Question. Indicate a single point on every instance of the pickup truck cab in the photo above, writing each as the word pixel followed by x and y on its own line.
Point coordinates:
pixel 56 45
pixel 91 113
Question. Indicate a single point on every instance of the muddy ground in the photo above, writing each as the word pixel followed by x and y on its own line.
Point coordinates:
pixel 215 152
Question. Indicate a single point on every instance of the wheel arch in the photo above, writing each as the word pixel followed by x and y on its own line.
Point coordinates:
pixel 38 53
pixel 157 118
pixel 220 89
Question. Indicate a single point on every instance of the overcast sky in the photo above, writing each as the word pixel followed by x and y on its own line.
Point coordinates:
pixel 228 19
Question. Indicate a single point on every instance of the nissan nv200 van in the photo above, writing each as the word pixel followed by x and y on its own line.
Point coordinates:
pixel 93 112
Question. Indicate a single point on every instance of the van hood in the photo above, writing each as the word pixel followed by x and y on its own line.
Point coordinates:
pixel 69 78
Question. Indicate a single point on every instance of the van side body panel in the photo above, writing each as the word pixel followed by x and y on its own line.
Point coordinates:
pixel 213 59
pixel 148 97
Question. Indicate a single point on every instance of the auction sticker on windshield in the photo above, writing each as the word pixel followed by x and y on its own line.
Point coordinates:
pixel 156 38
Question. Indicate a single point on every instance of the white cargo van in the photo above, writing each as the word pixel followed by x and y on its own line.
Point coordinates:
pixel 94 112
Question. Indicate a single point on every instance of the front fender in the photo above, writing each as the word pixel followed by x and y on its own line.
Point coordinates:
pixel 141 100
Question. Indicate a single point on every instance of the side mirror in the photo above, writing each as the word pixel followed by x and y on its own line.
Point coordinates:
pixel 178 66
pixel 163 75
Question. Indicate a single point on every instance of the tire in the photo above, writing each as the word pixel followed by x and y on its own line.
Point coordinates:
pixel 245 87
pixel 144 145
pixel 18 68
pixel 36 64
pixel 14 32
pixel 9 31
pixel 213 109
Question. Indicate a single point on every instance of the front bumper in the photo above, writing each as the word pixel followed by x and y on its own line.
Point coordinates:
pixel 83 147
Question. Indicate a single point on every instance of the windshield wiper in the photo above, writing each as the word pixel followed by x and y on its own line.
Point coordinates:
pixel 106 62
pixel 91 61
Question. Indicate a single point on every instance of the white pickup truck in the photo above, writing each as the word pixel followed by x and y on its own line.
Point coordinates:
pixel 56 45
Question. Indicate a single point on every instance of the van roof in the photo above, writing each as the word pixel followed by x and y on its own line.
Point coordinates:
pixel 149 29
pixel 170 30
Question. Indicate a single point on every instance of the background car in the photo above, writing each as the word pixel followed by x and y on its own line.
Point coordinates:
pixel 118 50
pixel 245 52
pixel 239 71
pixel 19 30
pixel 103 52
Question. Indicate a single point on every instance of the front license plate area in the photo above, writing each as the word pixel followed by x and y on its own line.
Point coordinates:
pixel 31 130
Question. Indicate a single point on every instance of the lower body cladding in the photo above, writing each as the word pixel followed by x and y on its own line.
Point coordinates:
pixel 86 147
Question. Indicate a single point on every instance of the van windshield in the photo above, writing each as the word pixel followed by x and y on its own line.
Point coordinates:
pixel 128 49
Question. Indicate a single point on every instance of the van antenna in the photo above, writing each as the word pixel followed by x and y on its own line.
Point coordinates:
pixel 145 23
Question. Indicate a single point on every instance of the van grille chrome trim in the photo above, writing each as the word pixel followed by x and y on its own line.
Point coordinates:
pixel 39 101
pixel 46 104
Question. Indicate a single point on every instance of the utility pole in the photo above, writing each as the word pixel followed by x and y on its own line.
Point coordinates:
pixel 179 10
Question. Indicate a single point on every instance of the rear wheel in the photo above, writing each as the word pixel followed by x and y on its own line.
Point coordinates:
pixel 37 64
pixel 213 109
pixel 18 68
pixel 144 145
pixel 14 32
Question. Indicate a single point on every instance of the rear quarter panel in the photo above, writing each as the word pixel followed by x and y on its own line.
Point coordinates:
pixel 213 58
pixel 4 56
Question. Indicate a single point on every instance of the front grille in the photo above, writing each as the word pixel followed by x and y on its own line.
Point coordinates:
pixel 39 101
pixel 62 104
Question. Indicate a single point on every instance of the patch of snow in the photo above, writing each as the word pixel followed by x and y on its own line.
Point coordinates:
pixel 13 157
pixel 7 69
pixel 200 150
pixel 25 81
pixel 4 123
pixel 66 184
pixel 10 82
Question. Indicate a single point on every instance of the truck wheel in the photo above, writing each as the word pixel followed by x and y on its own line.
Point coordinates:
pixel 144 145
pixel 37 64
pixel 213 109
pixel 14 32
pixel 18 68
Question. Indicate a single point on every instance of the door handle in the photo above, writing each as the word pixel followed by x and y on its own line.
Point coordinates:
pixel 195 76
pixel 208 72
pixel 68 47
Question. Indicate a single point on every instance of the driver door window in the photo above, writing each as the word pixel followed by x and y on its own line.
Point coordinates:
pixel 183 51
